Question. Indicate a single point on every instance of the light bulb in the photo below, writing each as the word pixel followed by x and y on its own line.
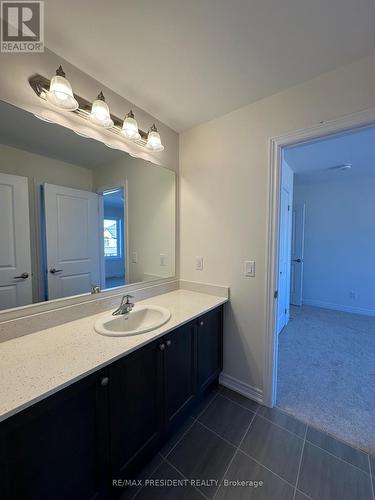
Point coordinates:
pixel 100 114
pixel 60 92
pixel 153 140
pixel 130 127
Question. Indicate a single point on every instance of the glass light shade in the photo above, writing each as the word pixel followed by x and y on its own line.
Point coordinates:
pixel 60 94
pixel 100 114
pixel 130 128
pixel 153 140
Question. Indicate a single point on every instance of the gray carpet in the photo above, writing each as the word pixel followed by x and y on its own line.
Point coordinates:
pixel 326 373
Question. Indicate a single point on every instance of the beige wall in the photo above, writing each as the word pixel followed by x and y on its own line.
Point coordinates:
pixel 40 169
pixel 224 170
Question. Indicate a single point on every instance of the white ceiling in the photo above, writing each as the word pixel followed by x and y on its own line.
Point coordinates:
pixel 312 161
pixel 186 62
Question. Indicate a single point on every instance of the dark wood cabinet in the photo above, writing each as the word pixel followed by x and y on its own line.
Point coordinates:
pixel 108 425
pixel 58 448
pixel 136 409
pixel 179 373
pixel 209 348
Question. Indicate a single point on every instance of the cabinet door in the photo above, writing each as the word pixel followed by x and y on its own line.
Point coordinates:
pixel 135 407
pixel 179 373
pixel 58 448
pixel 209 348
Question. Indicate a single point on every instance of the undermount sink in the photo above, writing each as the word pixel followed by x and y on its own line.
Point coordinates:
pixel 141 319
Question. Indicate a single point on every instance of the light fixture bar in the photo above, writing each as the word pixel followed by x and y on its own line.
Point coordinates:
pixel 40 86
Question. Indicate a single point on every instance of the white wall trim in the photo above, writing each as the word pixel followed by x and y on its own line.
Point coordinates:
pixel 241 387
pixel 340 125
pixel 339 307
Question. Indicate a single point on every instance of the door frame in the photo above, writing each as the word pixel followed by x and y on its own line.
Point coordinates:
pixel 361 119
pixel 100 190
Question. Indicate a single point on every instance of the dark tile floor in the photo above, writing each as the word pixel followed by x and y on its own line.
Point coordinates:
pixel 235 449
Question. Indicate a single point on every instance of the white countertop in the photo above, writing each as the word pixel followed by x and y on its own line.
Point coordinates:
pixel 37 365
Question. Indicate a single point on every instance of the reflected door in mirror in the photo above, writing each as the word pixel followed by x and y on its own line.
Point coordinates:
pixel 15 261
pixel 72 240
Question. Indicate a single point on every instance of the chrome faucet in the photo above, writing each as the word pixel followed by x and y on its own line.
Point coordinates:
pixel 125 307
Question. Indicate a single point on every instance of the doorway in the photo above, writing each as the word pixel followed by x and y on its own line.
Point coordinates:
pixel 324 347
pixel 114 229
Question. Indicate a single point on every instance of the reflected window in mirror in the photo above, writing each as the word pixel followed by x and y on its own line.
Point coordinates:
pixel 112 238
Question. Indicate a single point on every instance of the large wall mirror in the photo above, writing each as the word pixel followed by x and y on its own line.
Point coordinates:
pixel 76 215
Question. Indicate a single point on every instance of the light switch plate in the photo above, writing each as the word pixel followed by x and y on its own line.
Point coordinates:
pixel 163 259
pixel 249 268
pixel 199 263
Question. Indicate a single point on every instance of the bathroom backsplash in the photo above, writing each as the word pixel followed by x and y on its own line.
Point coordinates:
pixel 19 327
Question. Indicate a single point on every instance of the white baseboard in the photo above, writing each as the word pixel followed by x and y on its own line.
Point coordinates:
pixel 339 307
pixel 246 390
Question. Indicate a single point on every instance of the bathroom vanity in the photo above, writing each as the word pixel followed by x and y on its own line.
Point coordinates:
pixel 109 421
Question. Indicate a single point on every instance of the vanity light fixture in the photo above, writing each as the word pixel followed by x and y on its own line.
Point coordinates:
pixel 60 92
pixel 100 114
pixel 153 139
pixel 130 127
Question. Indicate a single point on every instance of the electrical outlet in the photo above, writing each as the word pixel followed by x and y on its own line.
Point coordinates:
pixel 134 257
pixel 199 263
pixel 352 294
pixel 163 259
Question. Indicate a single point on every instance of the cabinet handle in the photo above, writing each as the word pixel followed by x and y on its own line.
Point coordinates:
pixel 162 347
pixel 104 381
pixel 168 343
pixel 201 323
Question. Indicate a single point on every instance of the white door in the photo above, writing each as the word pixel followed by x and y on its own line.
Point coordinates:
pixel 15 261
pixel 285 242
pixel 71 240
pixel 284 256
pixel 298 237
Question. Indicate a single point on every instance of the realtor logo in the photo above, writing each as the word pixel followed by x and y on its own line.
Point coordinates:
pixel 22 26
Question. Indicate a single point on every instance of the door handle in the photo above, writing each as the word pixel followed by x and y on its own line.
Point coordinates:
pixel 297 260
pixel 162 347
pixel 55 271
pixel 22 276
pixel 168 343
